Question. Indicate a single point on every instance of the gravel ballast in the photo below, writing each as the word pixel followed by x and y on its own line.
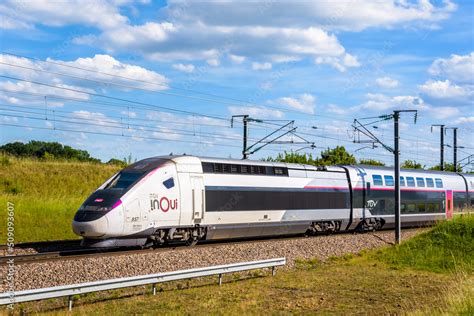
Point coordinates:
pixel 55 273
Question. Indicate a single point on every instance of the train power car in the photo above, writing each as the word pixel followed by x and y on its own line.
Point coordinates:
pixel 185 198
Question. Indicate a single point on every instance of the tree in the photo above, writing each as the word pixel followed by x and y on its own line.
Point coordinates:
pixel 46 150
pixel 117 162
pixel 336 156
pixel 412 164
pixel 293 158
pixel 447 167
pixel 371 162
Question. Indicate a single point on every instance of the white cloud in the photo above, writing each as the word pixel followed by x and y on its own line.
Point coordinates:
pixel 96 117
pixel 304 103
pixel 457 68
pixel 446 89
pixel 189 38
pixel 193 30
pixel 387 82
pixel 213 62
pixel 284 58
pixel 350 61
pixel 166 133
pixel 111 72
pixel 122 73
pixel 256 111
pixel 333 108
pixel 443 112
pixel 381 102
pixel 21 87
pixel 261 66
pixel 130 114
pixel 347 61
pixel 465 120
pixel 330 15
pixel 26 14
pixel 237 59
pixel 189 68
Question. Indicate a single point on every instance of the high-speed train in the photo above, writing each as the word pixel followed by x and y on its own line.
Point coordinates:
pixel 187 198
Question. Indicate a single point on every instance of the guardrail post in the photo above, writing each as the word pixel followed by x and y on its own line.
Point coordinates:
pixel 69 302
pixel 273 271
pixel 220 279
pixel 154 289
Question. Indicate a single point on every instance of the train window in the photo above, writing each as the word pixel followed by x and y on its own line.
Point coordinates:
pixel 225 168
pixel 411 208
pixel 402 181
pixel 403 208
pixel 429 183
pixel 124 180
pixel 377 179
pixel 169 183
pixel 421 207
pixel 420 182
pixel 280 171
pixel 389 181
pixel 234 168
pixel 207 167
pixel 244 169
pixel 432 207
pixel 410 182
pixel 217 167
pixel 439 183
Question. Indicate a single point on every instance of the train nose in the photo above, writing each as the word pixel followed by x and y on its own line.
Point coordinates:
pixel 93 228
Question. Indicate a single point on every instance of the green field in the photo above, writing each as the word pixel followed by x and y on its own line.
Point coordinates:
pixel 431 274
pixel 46 194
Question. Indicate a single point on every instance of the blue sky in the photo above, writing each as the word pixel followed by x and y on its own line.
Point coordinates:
pixel 192 65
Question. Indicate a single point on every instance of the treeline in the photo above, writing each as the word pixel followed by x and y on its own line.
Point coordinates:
pixel 340 156
pixel 53 151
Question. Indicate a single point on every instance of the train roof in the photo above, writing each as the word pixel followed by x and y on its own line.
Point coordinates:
pixel 153 162
pixel 370 167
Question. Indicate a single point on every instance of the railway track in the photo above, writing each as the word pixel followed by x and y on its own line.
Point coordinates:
pixel 91 252
pixel 68 254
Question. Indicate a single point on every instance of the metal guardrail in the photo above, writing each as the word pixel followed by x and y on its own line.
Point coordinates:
pixel 112 284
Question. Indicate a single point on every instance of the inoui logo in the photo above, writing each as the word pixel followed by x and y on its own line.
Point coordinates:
pixel 372 203
pixel 163 203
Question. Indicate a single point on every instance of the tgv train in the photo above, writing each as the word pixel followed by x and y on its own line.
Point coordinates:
pixel 186 198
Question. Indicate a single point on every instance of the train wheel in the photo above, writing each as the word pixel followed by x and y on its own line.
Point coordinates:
pixel 191 241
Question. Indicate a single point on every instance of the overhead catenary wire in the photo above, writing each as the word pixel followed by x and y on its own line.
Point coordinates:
pixel 148 106
pixel 113 98
pixel 241 102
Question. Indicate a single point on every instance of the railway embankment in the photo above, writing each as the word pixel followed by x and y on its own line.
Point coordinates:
pixel 428 274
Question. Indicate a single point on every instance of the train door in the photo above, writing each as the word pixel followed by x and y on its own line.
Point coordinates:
pixel 133 216
pixel 197 198
pixel 449 204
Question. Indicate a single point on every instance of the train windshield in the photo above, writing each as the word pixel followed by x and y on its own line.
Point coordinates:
pixel 124 180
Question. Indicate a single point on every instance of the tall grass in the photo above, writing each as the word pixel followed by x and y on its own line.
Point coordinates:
pixel 448 247
pixel 46 194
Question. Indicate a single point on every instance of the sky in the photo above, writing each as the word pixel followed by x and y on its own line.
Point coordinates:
pixel 145 78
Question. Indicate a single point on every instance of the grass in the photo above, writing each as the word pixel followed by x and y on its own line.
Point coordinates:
pixel 388 281
pixel 46 194
pixel 448 247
